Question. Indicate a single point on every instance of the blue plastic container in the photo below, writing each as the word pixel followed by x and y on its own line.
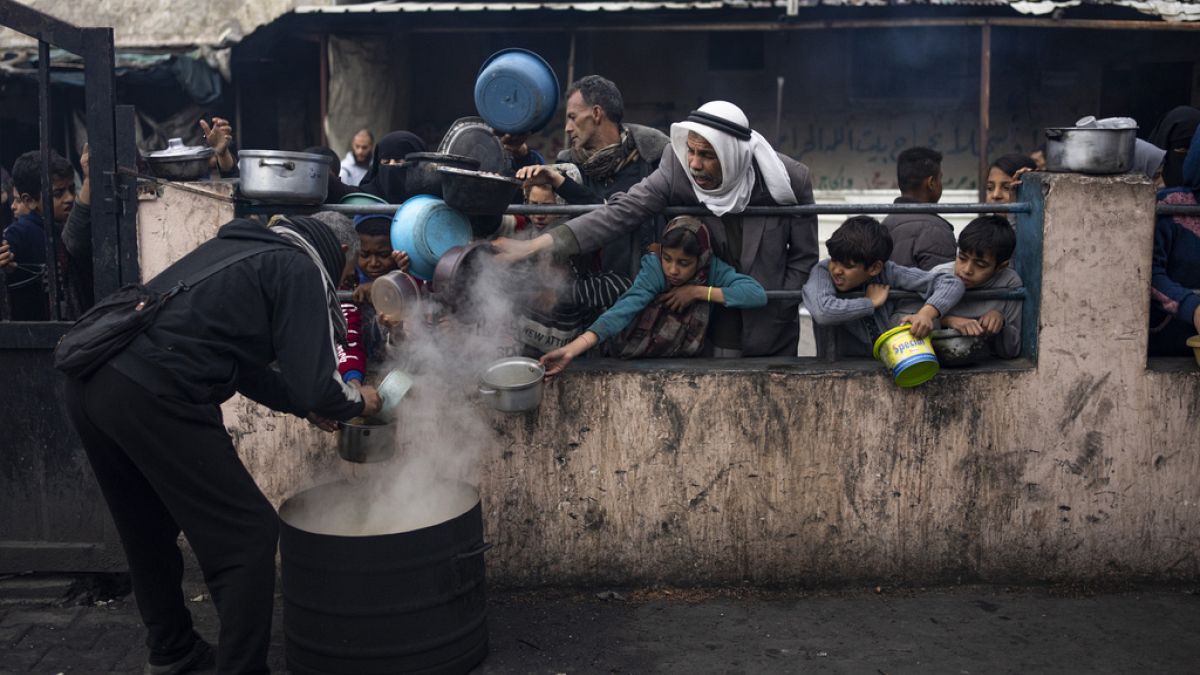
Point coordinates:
pixel 425 228
pixel 516 91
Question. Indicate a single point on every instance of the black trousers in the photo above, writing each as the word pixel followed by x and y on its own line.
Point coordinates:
pixel 166 465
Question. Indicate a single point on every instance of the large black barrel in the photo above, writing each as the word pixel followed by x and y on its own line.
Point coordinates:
pixel 411 602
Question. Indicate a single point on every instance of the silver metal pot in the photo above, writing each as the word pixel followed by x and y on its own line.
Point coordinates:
pixel 283 177
pixel 1090 150
pixel 513 384
pixel 954 349
pixel 180 162
pixel 366 440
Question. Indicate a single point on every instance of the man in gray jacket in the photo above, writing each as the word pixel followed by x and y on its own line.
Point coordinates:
pixel 717 161
pixel 920 240
pixel 612 156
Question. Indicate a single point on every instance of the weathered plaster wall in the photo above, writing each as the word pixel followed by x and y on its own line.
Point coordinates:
pixel 1084 466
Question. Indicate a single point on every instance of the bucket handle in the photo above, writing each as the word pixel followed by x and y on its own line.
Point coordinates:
pixel 1055 134
pixel 486 391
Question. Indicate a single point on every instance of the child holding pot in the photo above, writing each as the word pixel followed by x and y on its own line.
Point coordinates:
pixel 665 313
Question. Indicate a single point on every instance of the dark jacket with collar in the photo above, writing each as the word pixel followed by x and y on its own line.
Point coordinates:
pixel 778 251
pixel 622 255
pixel 921 240
pixel 260 327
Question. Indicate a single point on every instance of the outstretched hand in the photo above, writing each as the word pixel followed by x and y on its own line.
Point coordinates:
pixel 514 250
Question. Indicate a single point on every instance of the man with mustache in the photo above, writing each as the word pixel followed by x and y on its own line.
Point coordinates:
pixel 716 161
pixel 612 157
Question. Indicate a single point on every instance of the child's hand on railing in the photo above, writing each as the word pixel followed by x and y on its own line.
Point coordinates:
pixel 362 293
pixel 963 325
pixel 992 322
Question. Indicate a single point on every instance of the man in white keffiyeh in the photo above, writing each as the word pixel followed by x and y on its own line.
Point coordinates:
pixel 717 161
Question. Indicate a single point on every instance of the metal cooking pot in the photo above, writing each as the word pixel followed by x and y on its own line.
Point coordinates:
pixel 954 349
pixel 180 162
pixel 477 193
pixel 513 384
pixel 366 440
pixel 283 177
pixel 456 268
pixel 1090 150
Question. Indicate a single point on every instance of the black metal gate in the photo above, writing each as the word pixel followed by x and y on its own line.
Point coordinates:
pixel 52 516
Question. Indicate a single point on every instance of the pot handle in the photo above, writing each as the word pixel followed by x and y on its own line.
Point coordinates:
pixel 485 391
pixel 463 581
pixel 283 164
pixel 1054 134
pixel 483 547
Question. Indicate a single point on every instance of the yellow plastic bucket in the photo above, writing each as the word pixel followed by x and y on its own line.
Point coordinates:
pixel 1194 343
pixel 910 360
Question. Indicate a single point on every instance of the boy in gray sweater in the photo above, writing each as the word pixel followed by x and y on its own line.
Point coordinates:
pixel 858 260
pixel 985 249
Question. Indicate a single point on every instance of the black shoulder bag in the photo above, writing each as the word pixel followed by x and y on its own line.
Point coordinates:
pixel 111 324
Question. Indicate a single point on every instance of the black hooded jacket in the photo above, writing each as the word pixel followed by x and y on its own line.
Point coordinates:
pixel 260 327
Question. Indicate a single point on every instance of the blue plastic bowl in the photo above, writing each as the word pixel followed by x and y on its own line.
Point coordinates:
pixel 426 228
pixel 516 91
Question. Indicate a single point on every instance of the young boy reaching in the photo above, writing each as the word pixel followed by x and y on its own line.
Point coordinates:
pixel 858 260
pixel 985 249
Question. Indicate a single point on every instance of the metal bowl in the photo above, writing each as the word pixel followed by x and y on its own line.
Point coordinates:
pixel 366 440
pixel 954 349
pixel 421 175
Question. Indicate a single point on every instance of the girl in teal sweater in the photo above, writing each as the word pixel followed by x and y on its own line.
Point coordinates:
pixel 665 313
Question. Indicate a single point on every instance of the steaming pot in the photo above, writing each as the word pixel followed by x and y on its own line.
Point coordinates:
pixel 513 384
pixel 389 601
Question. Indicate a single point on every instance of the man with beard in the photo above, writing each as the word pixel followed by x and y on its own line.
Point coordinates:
pixel 358 159
pixel 613 157
pixel 717 161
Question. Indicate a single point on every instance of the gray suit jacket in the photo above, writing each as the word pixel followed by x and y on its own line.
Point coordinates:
pixel 778 251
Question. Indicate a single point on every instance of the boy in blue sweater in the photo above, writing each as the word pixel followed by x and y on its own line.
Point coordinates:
pixel 858 260
pixel 666 311
pixel 1175 268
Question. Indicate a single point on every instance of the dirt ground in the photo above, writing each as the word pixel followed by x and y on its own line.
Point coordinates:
pixel 961 629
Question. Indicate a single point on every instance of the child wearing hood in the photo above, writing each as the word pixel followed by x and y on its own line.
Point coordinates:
pixel 665 313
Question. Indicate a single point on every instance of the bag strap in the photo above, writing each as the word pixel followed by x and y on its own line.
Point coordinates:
pixel 200 275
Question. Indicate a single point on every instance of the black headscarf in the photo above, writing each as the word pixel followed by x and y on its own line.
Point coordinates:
pixel 1174 132
pixel 395 145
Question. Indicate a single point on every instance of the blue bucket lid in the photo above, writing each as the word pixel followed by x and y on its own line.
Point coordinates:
pixel 516 91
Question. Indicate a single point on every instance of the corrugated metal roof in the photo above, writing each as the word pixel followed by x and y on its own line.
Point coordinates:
pixel 1171 10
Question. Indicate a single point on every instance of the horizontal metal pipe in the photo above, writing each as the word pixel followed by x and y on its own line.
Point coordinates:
pixel 808 209
pixel 982 294
pixel 1177 210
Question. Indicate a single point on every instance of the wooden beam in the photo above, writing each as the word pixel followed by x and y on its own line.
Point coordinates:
pixel 44 27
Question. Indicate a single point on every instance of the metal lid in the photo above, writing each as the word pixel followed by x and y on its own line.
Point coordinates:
pixel 176 150
pixel 481 175
pixel 471 136
pixel 281 154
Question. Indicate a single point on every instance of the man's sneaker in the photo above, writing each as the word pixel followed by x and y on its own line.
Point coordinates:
pixel 201 657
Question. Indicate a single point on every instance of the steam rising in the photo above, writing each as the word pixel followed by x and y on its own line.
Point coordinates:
pixel 442 428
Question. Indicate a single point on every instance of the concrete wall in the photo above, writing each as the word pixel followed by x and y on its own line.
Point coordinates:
pixel 1083 465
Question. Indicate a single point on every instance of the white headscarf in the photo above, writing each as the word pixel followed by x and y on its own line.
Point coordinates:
pixel 738 148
